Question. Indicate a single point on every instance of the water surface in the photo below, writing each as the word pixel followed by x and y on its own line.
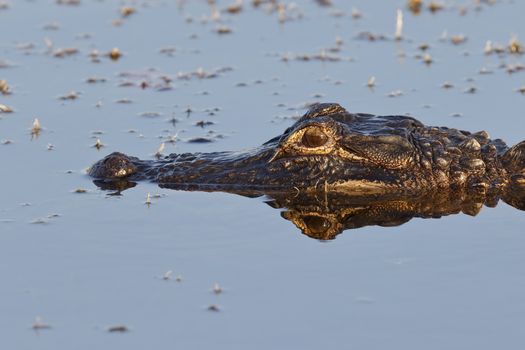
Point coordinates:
pixel 84 262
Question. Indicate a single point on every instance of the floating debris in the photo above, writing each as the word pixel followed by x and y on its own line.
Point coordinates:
pixel 369 36
pixel 200 140
pixel 521 90
pixel 223 30
pixel 371 82
pixel 124 101
pixel 281 13
pixel 424 47
pixel 203 123
pixel 488 48
pixel 51 26
pixel 150 114
pixel 117 22
pixel 514 68
pixel 6 142
pixel 98 144
pixel 471 90
pixel 73 95
pixel 26 47
pixel 415 6
pixel 50 147
pixel 322 56
pixel 95 80
pixel 324 2
pixel 5 64
pixel 399 25
pixel 234 8
pixel 427 59
pixel 447 85
pixel 127 11
pixel 395 93
pixel 118 329
pixel 485 70
pixel 458 39
pixel 491 47
pixel 172 139
pixel 4 88
pixel 356 14
pixel 161 148
pixel 36 128
pixel 214 308
pixel 167 275
pixel 80 190
pixel 201 73
pixel 65 52
pixel 114 54
pixel 217 289
pixel 40 325
pixel 170 51
pixel 39 221
pixel 515 47
pixel 5 109
pixel 148 200
pixel 435 6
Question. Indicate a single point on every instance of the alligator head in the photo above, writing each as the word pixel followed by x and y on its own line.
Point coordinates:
pixel 334 150
pixel 327 148
pixel 333 170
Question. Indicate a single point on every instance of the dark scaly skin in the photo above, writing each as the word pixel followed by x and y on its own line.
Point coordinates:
pixel 356 154
pixel 325 216
pixel 364 170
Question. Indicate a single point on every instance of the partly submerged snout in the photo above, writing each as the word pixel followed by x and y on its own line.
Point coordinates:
pixel 114 166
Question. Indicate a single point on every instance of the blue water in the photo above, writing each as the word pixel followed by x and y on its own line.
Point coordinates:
pixel 84 262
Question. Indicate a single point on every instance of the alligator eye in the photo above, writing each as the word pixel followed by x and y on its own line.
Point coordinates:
pixel 317 225
pixel 313 137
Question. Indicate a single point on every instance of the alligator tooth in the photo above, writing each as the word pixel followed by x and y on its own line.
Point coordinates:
pixel 471 145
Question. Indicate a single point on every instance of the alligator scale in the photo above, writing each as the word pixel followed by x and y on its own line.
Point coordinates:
pixel 329 150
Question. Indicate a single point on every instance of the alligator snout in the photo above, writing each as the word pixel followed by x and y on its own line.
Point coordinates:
pixel 114 166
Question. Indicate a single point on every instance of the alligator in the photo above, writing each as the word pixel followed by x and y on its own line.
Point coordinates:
pixel 329 149
pixel 333 170
pixel 324 216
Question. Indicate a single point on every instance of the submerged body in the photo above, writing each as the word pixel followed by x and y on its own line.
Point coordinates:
pixel 331 149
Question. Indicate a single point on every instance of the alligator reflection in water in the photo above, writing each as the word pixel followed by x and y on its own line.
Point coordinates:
pixel 324 215
pixel 351 169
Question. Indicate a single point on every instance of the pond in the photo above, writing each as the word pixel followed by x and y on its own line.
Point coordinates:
pixel 155 267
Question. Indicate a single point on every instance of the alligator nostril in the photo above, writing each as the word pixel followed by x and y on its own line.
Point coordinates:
pixel 114 166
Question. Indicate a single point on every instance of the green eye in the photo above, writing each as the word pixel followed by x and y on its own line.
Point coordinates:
pixel 314 137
